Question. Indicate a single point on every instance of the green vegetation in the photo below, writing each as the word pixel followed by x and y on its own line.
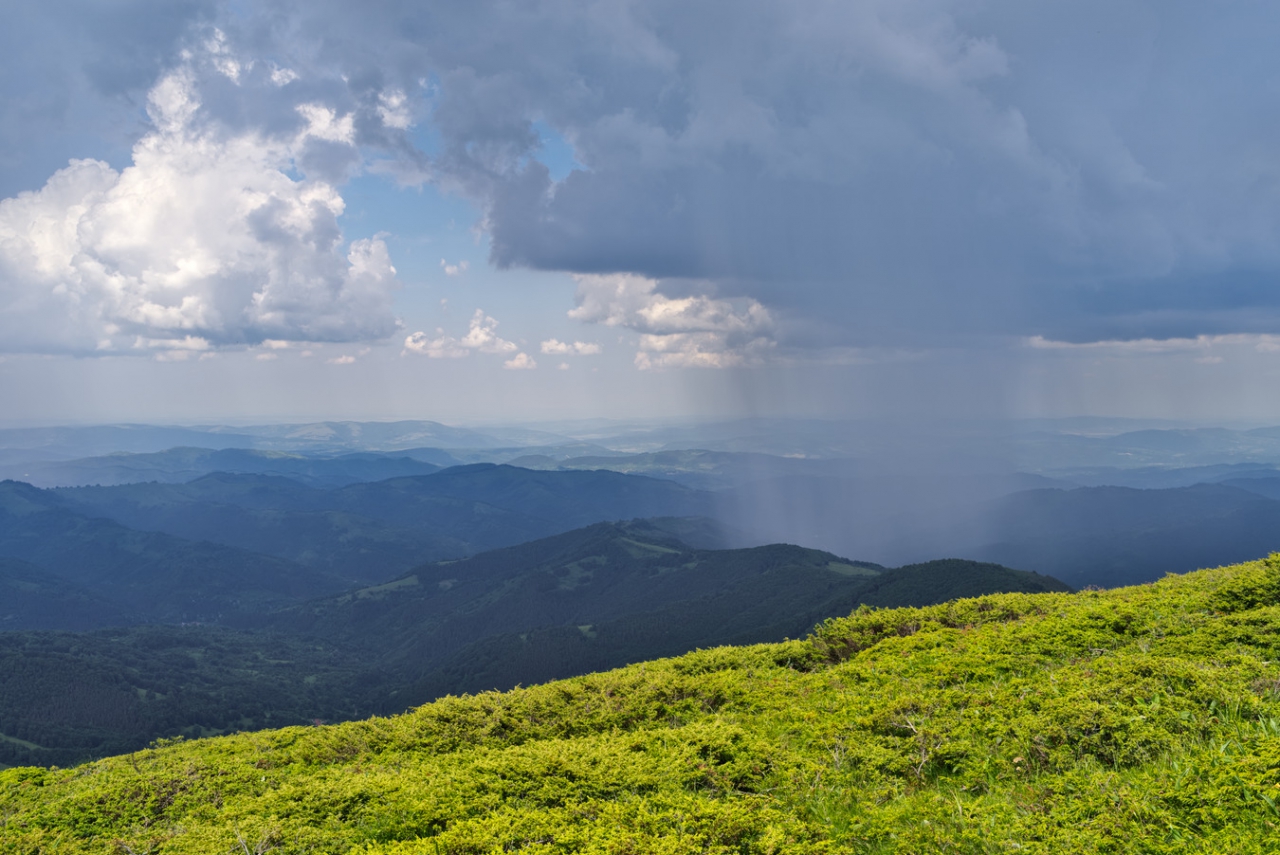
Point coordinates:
pixel 30 598
pixel 68 697
pixel 516 615
pixel 588 600
pixel 1141 719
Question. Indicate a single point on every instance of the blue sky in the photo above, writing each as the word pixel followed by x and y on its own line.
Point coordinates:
pixel 478 210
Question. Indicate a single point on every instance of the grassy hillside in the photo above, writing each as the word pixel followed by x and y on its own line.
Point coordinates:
pixel 597 598
pixel 608 595
pixel 1133 720
pixel 774 592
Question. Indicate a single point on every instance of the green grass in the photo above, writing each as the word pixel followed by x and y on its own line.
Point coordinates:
pixel 1143 719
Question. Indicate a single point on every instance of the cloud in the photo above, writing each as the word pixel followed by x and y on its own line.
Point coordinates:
pixel 521 361
pixel 444 347
pixel 72 75
pixel 888 171
pixel 481 337
pixel 1262 343
pixel 190 343
pixel 697 350
pixel 454 269
pixel 579 348
pixel 394 109
pixel 676 332
pixel 882 172
pixel 205 236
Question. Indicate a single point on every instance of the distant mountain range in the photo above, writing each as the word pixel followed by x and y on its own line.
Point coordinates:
pixel 372 531
pixel 1112 536
pixel 179 465
pixel 335 570
pixel 338 529
pixel 141 575
pixel 1046 447
pixel 225 547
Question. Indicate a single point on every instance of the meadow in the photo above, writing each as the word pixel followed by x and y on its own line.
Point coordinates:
pixel 1140 719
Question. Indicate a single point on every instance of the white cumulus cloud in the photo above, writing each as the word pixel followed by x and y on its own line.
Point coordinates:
pixel 205 236
pixel 442 347
pixel 521 361
pixel 676 332
pixel 579 348
pixel 481 337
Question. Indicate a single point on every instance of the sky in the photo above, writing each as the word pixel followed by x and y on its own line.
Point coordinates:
pixel 469 211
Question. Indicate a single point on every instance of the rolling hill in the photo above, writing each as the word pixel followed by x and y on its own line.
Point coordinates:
pixel 371 532
pixel 150 576
pixel 33 598
pixel 591 599
pixel 1137 719
pixel 606 595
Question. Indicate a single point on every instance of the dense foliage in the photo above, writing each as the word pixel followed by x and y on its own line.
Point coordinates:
pixel 589 600
pixel 67 697
pixel 1134 720
pixel 31 597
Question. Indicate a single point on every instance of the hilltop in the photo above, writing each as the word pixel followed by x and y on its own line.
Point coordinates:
pixel 1136 719
pixel 596 598
pixel 608 595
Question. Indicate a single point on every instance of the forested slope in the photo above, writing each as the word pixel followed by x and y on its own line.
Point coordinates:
pixel 1140 719
pixel 589 600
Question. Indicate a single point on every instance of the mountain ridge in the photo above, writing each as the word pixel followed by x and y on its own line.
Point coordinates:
pixel 1086 722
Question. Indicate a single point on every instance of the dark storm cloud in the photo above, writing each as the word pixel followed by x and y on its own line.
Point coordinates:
pixel 870 171
pixel 1082 170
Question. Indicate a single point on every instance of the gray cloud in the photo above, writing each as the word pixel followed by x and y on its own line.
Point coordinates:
pixel 885 171
pixel 72 75
pixel 891 167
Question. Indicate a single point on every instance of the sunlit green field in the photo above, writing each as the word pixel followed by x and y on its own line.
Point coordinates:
pixel 1143 719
